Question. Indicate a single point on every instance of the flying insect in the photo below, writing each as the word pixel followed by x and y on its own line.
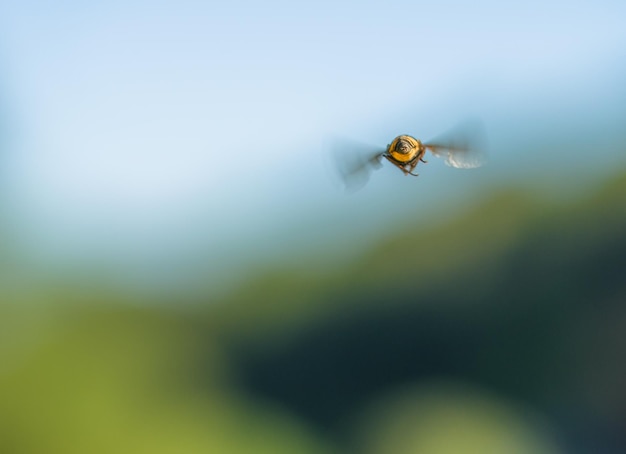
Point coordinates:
pixel 461 147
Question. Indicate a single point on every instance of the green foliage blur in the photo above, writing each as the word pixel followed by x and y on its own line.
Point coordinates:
pixel 501 331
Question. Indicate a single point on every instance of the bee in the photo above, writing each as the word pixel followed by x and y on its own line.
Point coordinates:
pixel 461 147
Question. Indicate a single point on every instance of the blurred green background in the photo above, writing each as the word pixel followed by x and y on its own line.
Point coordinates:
pixel 179 275
pixel 502 330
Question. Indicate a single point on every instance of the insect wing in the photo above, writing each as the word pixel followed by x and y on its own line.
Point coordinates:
pixel 461 158
pixel 355 162
pixel 462 147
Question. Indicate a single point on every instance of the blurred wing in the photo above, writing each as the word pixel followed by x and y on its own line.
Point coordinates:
pixel 462 147
pixel 355 161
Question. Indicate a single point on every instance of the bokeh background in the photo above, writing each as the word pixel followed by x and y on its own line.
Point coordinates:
pixel 181 272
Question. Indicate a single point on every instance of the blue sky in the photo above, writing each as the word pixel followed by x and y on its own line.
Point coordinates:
pixel 141 131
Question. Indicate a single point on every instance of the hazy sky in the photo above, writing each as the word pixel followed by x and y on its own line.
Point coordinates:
pixel 149 129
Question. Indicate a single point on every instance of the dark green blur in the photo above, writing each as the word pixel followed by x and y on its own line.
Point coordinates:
pixel 503 330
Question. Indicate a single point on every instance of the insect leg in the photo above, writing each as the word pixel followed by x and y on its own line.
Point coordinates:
pixel 422 153
pixel 413 165
pixel 399 166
